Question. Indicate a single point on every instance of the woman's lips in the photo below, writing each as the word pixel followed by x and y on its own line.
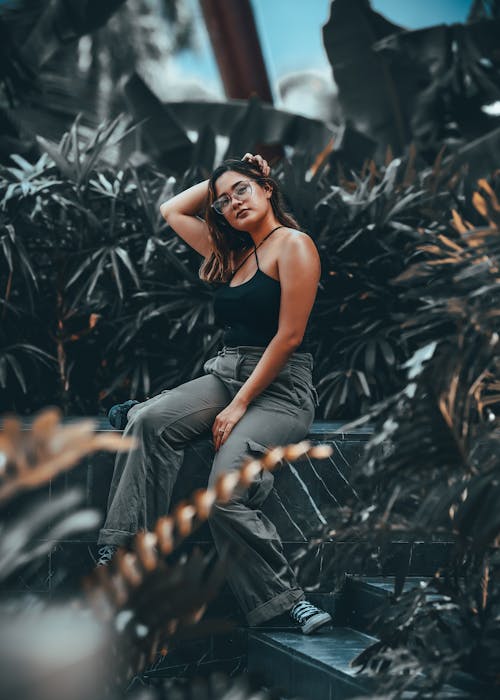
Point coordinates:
pixel 241 213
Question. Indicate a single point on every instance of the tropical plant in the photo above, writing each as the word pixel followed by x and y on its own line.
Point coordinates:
pixel 156 592
pixel 132 612
pixel 72 55
pixel 484 9
pixel 40 70
pixel 367 229
pixel 117 302
pixel 431 87
pixel 121 298
pixel 244 124
pixel 48 215
pixel 432 465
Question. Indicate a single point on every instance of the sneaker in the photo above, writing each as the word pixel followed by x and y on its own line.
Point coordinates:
pixel 308 616
pixel 117 414
pixel 105 554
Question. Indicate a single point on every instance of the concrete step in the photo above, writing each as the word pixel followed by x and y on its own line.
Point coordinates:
pixel 310 667
pixel 318 666
pixel 364 597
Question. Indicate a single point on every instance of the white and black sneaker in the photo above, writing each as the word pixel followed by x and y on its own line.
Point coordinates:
pixel 105 554
pixel 308 616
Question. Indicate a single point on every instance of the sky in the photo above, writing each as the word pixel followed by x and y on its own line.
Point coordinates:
pixel 290 34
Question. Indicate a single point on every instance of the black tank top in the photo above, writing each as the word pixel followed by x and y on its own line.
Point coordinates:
pixel 249 311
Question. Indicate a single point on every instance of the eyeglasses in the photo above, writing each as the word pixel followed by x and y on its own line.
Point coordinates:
pixel 241 192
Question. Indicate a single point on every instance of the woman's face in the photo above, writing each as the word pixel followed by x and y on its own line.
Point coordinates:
pixel 240 199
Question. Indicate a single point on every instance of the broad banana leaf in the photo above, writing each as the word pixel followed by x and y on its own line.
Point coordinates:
pixel 62 22
pixel 369 90
pixel 428 87
pixel 245 122
pixel 163 136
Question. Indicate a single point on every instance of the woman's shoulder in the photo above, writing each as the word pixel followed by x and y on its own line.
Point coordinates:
pixel 293 237
pixel 297 247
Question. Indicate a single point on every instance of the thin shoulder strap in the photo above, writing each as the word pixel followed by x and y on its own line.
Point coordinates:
pixel 256 258
pixel 243 262
pixel 262 241
pixel 255 250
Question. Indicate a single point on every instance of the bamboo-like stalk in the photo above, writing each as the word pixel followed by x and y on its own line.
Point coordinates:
pixel 110 588
pixel 32 458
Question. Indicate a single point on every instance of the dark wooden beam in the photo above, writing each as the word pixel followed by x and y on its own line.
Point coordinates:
pixel 235 41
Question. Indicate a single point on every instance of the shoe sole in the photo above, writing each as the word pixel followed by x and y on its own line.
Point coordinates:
pixel 315 622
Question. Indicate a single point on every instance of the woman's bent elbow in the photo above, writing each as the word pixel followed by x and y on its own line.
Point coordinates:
pixel 295 342
pixel 290 340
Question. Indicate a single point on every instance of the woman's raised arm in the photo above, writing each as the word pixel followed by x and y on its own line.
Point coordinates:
pixel 181 213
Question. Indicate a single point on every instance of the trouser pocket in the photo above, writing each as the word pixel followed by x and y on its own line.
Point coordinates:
pixel 262 485
pixel 302 385
pixel 209 364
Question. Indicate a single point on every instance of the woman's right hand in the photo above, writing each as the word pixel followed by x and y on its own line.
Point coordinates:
pixel 259 161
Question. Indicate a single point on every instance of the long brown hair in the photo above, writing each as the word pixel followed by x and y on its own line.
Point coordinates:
pixel 224 238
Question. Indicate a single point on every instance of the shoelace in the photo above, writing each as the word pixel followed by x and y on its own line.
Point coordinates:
pixel 105 553
pixel 303 610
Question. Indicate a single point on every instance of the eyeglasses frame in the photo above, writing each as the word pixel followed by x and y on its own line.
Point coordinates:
pixel 248 183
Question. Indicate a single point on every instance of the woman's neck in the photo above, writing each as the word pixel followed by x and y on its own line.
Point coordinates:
pixel 262 229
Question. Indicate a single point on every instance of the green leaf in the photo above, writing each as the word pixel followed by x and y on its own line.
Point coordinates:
pixel 97 273
pixel 162 132
pixel 7 253
pixel 17 370
pixel 364 384
pixel 370 356
pixel 64 166
pixel 371 92
pixel 125 258
pixel 85 265
pixel 116 273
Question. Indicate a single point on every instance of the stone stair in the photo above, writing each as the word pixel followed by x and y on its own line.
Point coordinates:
pixel 300 494
pixel 315 667
pixel 319 666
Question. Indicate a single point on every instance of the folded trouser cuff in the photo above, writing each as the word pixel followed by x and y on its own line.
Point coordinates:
pixel 276 606
pixel 119 537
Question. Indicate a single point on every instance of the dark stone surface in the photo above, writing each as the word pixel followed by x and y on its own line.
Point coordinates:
pixel 225 653
pixel 319 666
pixel 303 494
pixel 321 430
pixel 416 558
pixel 309 667
pixel 362 599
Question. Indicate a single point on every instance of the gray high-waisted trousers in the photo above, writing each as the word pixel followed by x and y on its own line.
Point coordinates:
pixel 141 488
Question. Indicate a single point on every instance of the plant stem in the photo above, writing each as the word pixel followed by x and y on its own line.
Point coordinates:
pixel 8 290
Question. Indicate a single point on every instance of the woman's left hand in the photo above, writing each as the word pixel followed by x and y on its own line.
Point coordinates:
pixel 225 421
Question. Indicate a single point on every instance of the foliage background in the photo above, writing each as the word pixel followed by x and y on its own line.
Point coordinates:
pixel 100 301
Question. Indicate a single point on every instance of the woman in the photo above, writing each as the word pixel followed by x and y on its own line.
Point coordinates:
pixel 255 393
